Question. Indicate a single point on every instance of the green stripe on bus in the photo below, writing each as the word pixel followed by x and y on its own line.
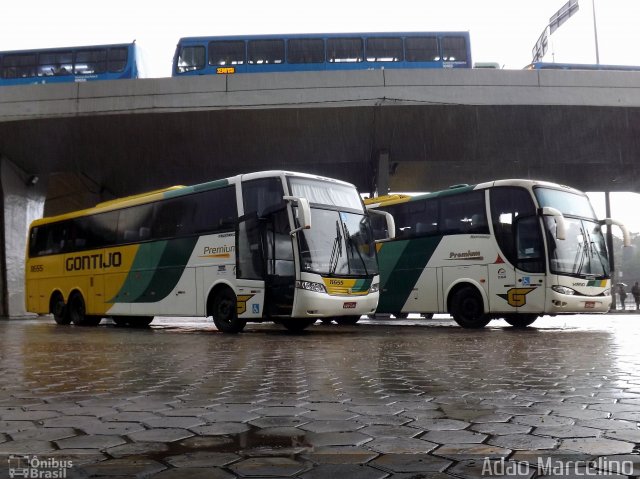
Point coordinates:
pixel 156 270
pixel 401 264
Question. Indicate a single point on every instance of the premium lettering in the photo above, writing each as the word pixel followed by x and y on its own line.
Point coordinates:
pixel 93 261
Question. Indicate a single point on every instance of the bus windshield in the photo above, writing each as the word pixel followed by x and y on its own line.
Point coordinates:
pixel 568 203
pixel 583 252
pixel 323 193
pixel 339 243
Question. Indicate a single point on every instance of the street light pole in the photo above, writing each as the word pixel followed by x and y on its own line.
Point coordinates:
pixel 595 31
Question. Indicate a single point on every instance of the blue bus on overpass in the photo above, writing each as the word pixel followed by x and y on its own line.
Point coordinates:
pixel 314 52
pixel 72 64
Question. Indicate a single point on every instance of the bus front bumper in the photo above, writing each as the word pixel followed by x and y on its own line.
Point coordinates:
pixel 310 304
pixel 558 303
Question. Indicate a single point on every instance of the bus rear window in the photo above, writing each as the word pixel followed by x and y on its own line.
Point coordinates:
pixel 454 49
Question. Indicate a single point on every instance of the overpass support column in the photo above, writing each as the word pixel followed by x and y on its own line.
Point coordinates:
pixel 23 196
pixel 382 173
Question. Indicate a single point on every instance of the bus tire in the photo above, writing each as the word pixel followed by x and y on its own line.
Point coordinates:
pixel 467 308
pixel 520 321
pixel 59 309
pixel 297 325
pixel 347 320
pixel 401 315
pixel 78 311
pixel 225 312
pixel 426 315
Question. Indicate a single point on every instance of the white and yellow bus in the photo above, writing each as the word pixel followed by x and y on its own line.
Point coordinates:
pixel 279 246
pixel 511 249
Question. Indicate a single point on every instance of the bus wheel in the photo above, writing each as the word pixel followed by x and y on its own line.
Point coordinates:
pixel 520 320
pixel 401 315
pixel 59 310
pixel 225 312
pixel 121 321
pixel 347 320
pixel 77 312
pixel 467 308
pixel 140 321
pixel 296 325
pixel 426 315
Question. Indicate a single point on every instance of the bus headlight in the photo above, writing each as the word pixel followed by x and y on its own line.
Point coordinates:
pixel 375 287
pixel 563 289
pixel 309 286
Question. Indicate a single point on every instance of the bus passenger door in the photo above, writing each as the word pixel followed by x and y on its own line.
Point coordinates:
pixel 281 273
pixel 250 267
pixel 529 294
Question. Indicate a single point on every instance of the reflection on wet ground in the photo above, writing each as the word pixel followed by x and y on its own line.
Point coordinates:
pixel 410 398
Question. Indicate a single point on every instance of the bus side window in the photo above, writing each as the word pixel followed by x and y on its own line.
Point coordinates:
pixel 260 196
pixel 222 217
pixel 507 204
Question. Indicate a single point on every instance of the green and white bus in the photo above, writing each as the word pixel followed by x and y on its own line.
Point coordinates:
pixel 275 245
pixel 511 249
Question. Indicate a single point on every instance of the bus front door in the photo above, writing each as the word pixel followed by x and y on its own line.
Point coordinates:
pixel 250 267
pixel 280 275
pixel 529 296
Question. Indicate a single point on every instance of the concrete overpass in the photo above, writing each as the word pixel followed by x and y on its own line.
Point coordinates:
pixel 410 130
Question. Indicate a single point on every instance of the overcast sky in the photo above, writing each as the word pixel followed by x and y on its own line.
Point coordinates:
pixel 502 31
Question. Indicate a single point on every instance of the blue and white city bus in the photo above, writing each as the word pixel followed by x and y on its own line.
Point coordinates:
pixel 72 64
pixel 315 52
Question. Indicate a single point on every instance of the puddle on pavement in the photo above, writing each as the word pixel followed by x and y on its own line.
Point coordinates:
pixel 255 442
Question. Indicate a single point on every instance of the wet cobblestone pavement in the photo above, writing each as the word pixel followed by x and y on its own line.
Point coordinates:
pixel 401 399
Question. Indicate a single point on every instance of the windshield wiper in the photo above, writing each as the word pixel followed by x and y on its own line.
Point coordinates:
pixel 336 251
pixel 349 241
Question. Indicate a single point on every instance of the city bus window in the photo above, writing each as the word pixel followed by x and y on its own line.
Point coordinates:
pixel 19 66
pixel 344 50
pixel 421 49
pixel 226 53
pixel 55 64
pixel 190 59
pixel 262 196
pixel 384 49
pixel 262 52
pixel 117 59
pixel 305 50
pixel 454 49
pixel 90 62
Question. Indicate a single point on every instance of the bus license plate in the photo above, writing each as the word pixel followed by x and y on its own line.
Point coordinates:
pixel 349 305
pixel 590 304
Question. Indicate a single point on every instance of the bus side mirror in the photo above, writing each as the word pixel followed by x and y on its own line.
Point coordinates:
pixel 626 237
pixel 304 213
pixel 561 227
pixel 390 222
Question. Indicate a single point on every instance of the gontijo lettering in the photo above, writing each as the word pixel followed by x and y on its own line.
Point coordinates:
pixel 93 261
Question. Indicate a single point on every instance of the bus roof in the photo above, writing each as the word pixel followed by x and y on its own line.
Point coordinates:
pixel 175 191
pixel 57 49
pixel 462 188
pixel 320 35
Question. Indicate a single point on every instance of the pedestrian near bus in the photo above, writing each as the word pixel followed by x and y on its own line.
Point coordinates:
pixel 623 295
pixel 635 291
